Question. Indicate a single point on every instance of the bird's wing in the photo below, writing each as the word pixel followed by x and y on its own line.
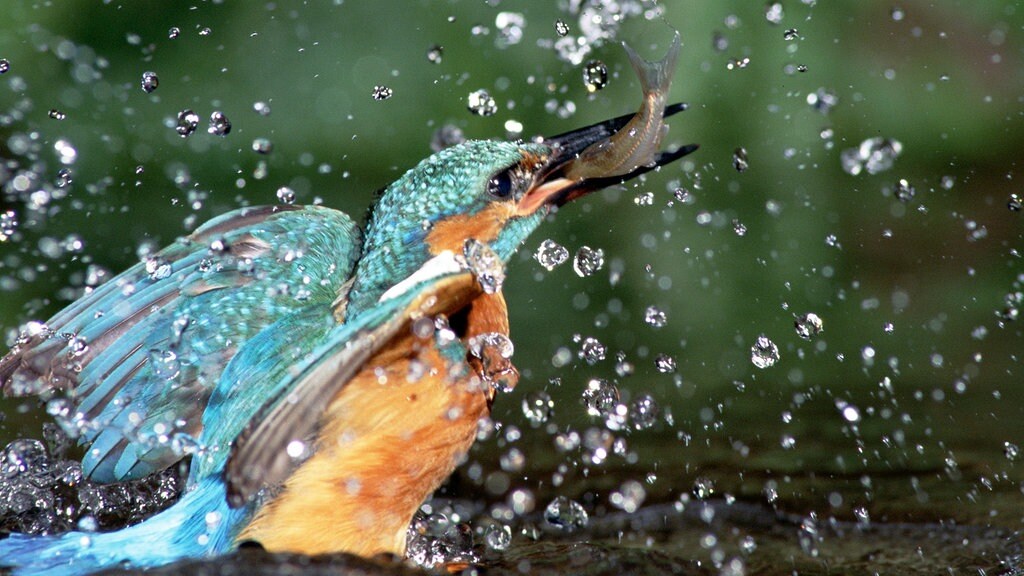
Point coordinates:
pixel 261 430
pixel 138 356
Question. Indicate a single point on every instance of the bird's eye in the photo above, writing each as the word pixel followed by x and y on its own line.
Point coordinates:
pixel 500 185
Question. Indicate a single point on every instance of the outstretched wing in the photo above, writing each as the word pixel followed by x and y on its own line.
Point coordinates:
pixel 260 428
pixel 139 355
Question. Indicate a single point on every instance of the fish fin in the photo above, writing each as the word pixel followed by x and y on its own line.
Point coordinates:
pixel 655 77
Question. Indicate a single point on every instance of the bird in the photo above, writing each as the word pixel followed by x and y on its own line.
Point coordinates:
pixel 321 380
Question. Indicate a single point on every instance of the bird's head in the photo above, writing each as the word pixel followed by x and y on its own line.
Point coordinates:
pixel 491 191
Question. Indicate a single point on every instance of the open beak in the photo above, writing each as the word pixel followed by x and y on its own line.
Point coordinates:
pixel 552 187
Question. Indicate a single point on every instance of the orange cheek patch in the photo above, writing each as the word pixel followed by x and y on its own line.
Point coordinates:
pixel 451 233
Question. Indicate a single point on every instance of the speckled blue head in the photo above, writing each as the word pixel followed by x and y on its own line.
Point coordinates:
pixel 473 190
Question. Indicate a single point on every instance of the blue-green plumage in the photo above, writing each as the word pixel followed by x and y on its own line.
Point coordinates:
pixel 227 345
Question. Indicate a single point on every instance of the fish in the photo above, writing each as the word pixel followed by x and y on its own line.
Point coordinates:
pixel 637 143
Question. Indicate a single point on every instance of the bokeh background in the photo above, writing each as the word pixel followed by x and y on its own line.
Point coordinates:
pixel 917 295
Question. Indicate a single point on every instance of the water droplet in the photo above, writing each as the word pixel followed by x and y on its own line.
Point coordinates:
pixel 739 160
pixel 481 103
pixel 703 488
pixel 219 124
pixel 588 261
pixel 1011 450
pixel 381 92
pixel 446 136
pixel 719 42
pixel 808 325
pixel 56 114
pixel 537 407
pixel 764 353
pixel 5 65
pixel 510 28
pixel 262 146
pixel 150 82
pixel 565 514
pixel 897 13
pixel 644 199
pixel 773 12
pixel 63 177
pixel 737 63
pixel 498 537
pixel 285 195
pixel 790 35
pixel 174 32
pixel 665 363
pixel 600 397
pixel 485 264
pixel 595 75
pixel 435 53
pixel 904 191
pixel 809 536
pixel 188 121
pixel 643 412
pixel 561 28
pixel 165 364
pixel 888 327
pixel 823 100
pixel 157 268
pixel 629 497
pixel 550 254
pixel 8 224
pixel 655 317
pixel 1014 203
pixel 261 108
pixel 739 228
pixel 592 351
pixel 874 155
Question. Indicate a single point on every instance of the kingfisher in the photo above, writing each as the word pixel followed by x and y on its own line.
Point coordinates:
pixel 321 381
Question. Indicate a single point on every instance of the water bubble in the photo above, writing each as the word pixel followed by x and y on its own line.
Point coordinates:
pixel 485 264
pixel 773 12
pixel 446 136
pixel 5 65
pixel 261 108
pixel 481 103
pixel 823 100
pixel 435 54
pixel 285 195
pixel 188 121
pixel 565 514
pixel 595 75
pixel 665 363
pixel 537 407
pixel 655 317
pixel 874 155
pixel 219 124
pixel 262 146
pixel 897 13
pixel 561 28
pixel 592 350
pixel 644 199
pixel 588 261
pixel 56 114
pixel 849 412
pixel 739 160
pixel 150 82
pixel 790 35
pixel 550 254
pixel 629 497
pixel 498 537
pixel 764 353
pixel 381 92
pixel 174 32
pixel 719 43
pixel 808 325
pixel 737 63
pixel 1014 203
pixel 904 191
pixel 600 397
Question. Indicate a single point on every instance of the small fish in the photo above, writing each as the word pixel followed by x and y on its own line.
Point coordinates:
pixel 637 143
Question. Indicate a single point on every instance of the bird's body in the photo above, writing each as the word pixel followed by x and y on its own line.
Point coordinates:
pixel 323 381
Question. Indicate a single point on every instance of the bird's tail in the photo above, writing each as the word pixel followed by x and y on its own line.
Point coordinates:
pixel 200 524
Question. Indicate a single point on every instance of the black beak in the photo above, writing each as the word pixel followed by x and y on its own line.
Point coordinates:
pixel 568 146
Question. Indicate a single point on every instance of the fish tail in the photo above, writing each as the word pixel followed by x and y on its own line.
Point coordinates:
pixel 655 77
pixel 200 524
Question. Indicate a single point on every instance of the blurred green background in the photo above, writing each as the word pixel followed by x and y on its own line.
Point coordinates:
pixel 943 78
